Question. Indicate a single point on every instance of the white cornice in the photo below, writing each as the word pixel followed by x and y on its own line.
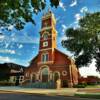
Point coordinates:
pixel 45 49
pixel 45 28
pixel 47 62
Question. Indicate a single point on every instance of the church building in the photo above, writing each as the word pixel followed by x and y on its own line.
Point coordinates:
pixel 50 63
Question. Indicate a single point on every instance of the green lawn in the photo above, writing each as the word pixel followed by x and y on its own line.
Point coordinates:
pixel 92 95
pixel 93 86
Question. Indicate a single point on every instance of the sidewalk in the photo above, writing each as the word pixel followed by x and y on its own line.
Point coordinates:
pixel 63 91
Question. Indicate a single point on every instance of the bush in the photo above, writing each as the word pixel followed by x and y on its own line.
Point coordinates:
pixel 4 83
pixel 81 85
pixel 95 96
pixel 50 85
pixel 92 83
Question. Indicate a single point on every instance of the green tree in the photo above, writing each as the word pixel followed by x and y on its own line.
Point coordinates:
pixel 84 41
pixel 18 12
pixel 4 70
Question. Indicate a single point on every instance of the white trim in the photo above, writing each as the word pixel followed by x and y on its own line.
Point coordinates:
pixel 45 28
pixel 47 62
pixel 40 71
pixel 45 40
pixel 45 44
pixel 45 49
pixel 44 53
pixel 45 32
pixel 64 73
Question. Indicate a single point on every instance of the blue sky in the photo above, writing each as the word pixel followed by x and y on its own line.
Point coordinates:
pixel 21 46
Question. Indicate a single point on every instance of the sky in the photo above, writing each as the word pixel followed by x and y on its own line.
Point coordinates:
pixel 21 47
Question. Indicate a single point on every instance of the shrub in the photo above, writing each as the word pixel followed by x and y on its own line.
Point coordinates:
pixel 91 83
pixel 4 83
pixel 80 85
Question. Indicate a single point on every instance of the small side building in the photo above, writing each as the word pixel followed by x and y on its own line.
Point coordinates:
pixel 90 80
pixel 16 76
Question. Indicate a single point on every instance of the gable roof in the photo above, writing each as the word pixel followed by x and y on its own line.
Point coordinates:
pixel 33 59
pixel 68 57
pixel 62 53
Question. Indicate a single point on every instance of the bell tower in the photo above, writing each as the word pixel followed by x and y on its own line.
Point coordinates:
pixel 48 35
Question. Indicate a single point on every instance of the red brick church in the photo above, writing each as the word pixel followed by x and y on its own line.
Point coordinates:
pixel 50 63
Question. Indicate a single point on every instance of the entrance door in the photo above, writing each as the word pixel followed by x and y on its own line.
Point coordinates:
pixel 44 73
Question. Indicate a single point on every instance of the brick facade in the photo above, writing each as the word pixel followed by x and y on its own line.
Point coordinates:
pixel 89 80
pixel 50 63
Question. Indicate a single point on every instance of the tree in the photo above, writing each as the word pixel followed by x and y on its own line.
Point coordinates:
pixel 4 70
pixel 18 12
pixel 84 41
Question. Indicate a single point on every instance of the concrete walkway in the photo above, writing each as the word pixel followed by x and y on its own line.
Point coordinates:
pixel 89 90
pixel 63 91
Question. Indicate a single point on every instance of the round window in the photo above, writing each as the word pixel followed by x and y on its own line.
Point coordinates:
pixel 64 73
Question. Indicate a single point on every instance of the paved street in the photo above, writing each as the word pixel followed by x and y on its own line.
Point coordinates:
pixel 22 96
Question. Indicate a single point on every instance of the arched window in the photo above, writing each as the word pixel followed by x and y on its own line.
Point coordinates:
pixel 45 36
pixel 44 73
pixel 45 57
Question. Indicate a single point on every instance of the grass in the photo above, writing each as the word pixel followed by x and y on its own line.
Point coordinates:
pixel 93 86
pixel 92 95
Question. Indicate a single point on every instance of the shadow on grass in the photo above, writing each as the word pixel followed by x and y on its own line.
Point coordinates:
pixel 96 95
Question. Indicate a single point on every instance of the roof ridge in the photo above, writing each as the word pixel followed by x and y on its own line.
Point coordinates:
pixel 61 52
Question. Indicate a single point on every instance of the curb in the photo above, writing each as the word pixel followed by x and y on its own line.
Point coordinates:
pixel 47 94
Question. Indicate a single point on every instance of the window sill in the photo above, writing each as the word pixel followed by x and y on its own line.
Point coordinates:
pixel 47 62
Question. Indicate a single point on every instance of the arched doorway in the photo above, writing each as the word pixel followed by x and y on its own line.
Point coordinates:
pixel 44 74
pixel 56 76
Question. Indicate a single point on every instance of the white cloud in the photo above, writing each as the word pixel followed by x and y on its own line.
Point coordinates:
pixel 20 46
pixel 91 70
pixel 64 28
pixel 24 38
pixel 77 16
pixel 83 9
pixel 75 25
pixel 74 2
pixel 1 28
pixel 4 59
pixel 7 51
pixel 6 45
pixel 64 37
pixel 10 27
pixel 19 37
pixel 1 36
pixel 58 19
pixel 61 4
pixel 7 59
